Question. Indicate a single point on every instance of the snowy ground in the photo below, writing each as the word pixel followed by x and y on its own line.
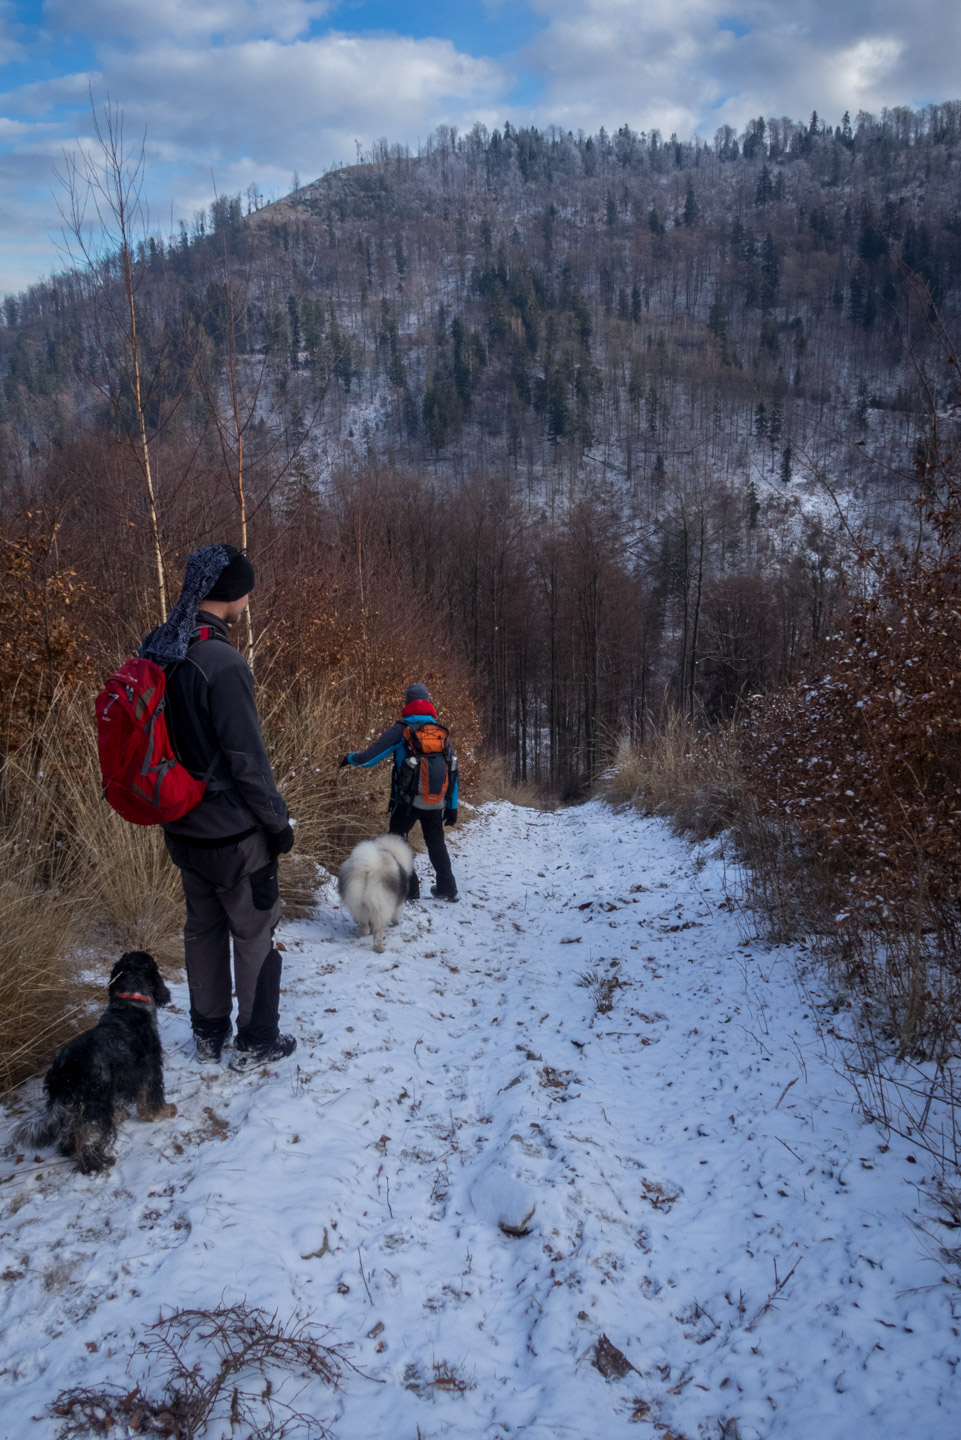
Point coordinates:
pixel 688 1167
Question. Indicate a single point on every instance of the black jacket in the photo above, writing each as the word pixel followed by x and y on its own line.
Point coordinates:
pixel 213 723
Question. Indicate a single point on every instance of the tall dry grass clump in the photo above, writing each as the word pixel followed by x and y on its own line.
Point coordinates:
pixel 492 780
pixel 690 777
pixel 306 733
pixel 75 880
pixel 38 926
pixel 117 875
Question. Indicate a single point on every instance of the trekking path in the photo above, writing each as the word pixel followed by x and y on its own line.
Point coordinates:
pixel 582 1103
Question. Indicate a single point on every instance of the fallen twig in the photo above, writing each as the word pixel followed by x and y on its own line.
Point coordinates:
pixel 364 1278
pixel 778 1287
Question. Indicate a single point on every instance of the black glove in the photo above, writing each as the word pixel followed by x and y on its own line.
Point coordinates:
pixel 450 817
pixel 281 842
pixel 345 761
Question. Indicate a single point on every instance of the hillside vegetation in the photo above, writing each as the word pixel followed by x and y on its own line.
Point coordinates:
pixel 582 400
pixel 605 437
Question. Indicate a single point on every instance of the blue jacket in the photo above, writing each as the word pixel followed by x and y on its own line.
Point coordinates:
pixel 391 745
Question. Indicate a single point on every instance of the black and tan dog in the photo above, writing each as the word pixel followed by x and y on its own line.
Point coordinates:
pixel 117 1063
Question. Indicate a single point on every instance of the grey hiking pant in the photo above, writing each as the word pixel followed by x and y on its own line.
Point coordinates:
pixel 232 896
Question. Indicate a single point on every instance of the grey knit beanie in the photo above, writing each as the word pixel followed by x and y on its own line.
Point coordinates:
pixel 416 692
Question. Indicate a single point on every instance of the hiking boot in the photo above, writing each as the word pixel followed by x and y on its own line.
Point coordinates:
pixel 413 887
pixel 211 1047
pixel 246 1055
pixel 441 895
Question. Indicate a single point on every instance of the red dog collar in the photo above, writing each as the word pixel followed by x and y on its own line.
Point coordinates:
pixel 123 995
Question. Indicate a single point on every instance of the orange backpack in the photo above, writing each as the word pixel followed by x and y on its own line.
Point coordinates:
pixel 426 771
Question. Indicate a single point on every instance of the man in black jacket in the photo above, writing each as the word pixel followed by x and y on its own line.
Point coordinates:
pixel 226 848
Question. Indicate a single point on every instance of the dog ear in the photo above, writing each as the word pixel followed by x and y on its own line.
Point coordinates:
pixel 161 994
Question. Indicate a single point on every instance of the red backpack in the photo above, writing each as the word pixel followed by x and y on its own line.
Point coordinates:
pixel 142 778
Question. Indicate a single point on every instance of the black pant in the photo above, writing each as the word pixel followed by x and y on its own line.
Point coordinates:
pixel 402 821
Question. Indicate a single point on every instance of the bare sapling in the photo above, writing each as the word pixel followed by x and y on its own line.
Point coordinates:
pixel 103 213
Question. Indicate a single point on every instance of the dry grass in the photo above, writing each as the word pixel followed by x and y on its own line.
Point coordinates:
pixel 38 931
pixel 494 782
pixel 218 1368
pixel 333 808
pixel 132 892
pixel 122 888
pixel 690 778
pixel 73 879
pixel 697 782
pixel 38 1009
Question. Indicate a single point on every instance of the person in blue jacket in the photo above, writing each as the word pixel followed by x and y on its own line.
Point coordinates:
pixel 406 811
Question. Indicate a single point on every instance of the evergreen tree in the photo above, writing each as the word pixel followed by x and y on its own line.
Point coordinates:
pixel 786 465
pixel 764 189
pixel 691 209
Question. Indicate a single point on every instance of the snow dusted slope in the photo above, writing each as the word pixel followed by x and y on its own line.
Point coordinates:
pixel 587 1052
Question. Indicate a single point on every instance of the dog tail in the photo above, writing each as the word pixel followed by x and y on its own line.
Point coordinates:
pixel 42 1129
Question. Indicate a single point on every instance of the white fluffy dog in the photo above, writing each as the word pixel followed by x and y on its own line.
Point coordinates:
pixel 373 884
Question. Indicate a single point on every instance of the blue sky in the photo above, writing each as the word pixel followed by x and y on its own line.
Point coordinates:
pixel 240 92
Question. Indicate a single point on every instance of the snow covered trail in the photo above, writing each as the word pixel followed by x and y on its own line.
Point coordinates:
pixel 578 1104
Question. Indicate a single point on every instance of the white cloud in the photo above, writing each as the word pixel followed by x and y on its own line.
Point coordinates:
pixel 609 61
pixel 865 67
pixel 185 20
pixel 284 103
pixel 681 64
pixel 10 48
pixel 41 96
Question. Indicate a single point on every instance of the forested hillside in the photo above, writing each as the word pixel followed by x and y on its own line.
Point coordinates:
pixel 574 406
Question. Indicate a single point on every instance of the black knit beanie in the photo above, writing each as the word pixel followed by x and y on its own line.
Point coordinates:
pixel 235 579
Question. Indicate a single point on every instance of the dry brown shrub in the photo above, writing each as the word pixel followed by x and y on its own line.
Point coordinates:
pixel 863 764
pixel 45 615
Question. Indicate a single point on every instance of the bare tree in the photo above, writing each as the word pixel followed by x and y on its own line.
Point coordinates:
pixel 104 217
